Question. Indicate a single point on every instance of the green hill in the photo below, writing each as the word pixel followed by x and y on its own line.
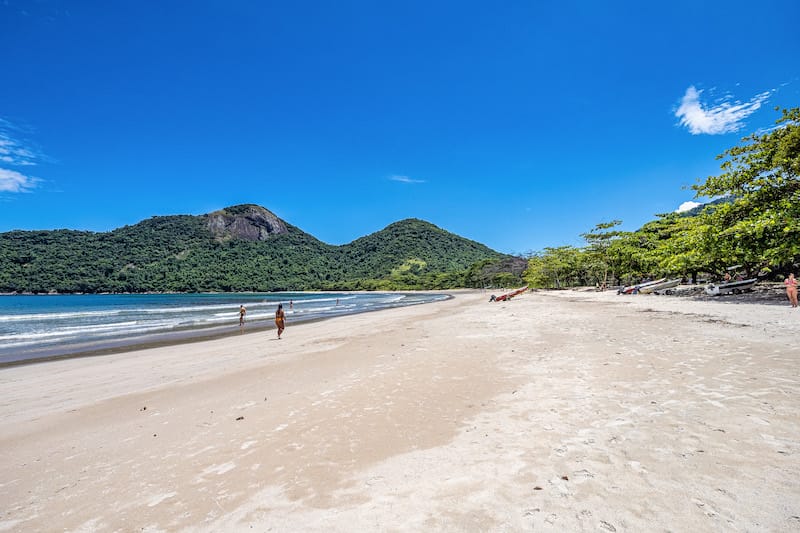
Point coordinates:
pixel 409 253
pixel 240 248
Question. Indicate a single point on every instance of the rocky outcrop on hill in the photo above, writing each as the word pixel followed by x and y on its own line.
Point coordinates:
pixel 248 222
pixel 236 249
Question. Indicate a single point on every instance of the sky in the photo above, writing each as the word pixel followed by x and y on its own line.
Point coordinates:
pixel 518 124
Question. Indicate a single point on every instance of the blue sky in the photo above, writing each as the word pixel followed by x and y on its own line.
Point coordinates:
pixel 517 124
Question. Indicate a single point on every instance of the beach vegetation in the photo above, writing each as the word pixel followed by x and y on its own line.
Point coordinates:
pixel 600 258
pixel 751 218
pixel 557 268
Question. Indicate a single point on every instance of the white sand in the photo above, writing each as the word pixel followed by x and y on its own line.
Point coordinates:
pixel 562 411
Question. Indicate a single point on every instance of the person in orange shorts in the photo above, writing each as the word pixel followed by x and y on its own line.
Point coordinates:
pixel 791 289
pixel 280 320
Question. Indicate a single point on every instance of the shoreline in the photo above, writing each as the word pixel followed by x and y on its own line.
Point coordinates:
pixel 176 337
pixel 557 411
pixel 143 342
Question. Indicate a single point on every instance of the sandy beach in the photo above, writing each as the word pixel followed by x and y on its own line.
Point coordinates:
pixel 555 411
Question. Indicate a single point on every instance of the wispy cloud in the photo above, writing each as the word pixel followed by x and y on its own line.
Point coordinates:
pixel 16 153
pixel 723 116
pixel 405 179
pixel 12 181
pixel 687 206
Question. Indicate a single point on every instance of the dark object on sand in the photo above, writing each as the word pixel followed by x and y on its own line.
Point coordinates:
pixel 508 296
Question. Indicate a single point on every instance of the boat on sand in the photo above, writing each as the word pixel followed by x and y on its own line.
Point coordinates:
pixel 735 287
pixel 660 286
pixel 633 289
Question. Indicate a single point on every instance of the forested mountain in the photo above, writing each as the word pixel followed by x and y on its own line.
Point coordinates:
pixel 408 249
pixel 240 248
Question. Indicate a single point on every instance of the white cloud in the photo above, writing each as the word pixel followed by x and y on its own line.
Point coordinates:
pixel 687 206
pixel 724 116
pixel 12 181
pixel 15 153
pixel 405 179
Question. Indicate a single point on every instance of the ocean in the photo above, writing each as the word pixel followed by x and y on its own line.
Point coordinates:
pixel 47 326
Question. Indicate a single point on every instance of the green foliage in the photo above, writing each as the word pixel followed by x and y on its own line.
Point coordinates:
pixel 599 260
pixel 180 254
pixel 759 227
pixel 419 245
pixel 505 272
pixel 752 219
pixel 556 268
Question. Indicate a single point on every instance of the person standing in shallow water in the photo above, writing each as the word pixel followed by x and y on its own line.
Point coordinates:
pixel 242 312
pixel 791 289
pixel 280 320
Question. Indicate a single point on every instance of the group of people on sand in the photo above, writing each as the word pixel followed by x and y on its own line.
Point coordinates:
pixel 280 318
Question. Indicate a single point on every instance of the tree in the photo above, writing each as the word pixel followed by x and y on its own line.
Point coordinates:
pixel 759 226
pixel 599 241
pixel 683 246
pixel 556 268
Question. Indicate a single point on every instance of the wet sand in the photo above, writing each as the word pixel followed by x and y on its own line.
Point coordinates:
pixel 561 411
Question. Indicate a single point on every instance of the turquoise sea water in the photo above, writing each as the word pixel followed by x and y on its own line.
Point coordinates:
pixel 33 327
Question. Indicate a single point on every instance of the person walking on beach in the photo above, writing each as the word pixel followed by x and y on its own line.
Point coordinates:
pixel 280 320
pixel 242 312
pixel 791 289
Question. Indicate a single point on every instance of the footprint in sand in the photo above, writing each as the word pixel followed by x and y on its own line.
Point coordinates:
pixel 707 509
pixel 605 526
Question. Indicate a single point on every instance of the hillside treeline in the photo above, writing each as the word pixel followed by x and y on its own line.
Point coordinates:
pixel 752 219
pixel 180 254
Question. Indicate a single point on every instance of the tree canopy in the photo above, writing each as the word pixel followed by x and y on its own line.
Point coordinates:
pixel 751 218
